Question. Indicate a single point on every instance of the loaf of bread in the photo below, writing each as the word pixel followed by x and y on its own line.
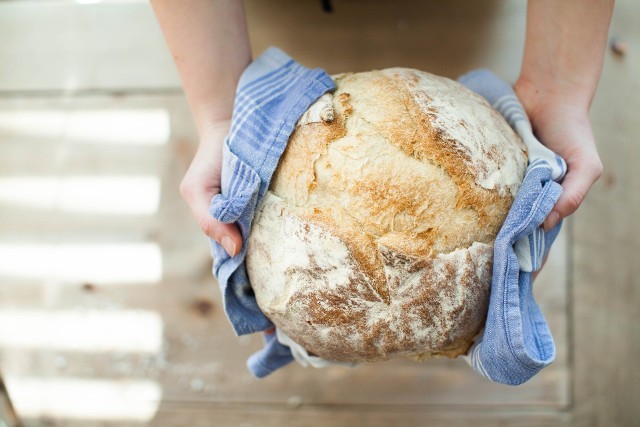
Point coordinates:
pixel 375 239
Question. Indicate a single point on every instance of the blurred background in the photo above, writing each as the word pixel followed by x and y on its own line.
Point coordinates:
pixel 109 314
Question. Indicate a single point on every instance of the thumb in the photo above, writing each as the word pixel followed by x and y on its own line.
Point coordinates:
pixel 575 187
pixel 227 235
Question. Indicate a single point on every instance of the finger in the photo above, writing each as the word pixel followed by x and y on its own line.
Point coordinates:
pixel 582 174
pixel 225 234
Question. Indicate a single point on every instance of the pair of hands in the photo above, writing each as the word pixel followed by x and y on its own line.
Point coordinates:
pixel 558 120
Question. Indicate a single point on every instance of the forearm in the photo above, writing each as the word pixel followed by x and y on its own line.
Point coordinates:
pixel 564 49
pixel 563 56
pixel 210 47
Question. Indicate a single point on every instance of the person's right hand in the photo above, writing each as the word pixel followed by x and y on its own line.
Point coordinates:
pixel 202 182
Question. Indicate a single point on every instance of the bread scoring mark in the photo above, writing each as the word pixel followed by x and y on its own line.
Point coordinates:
pixel 343 99
pixel 362 245
pixel 436 146
pixel 434 96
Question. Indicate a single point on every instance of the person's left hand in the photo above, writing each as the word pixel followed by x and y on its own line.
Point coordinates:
pixel 561 123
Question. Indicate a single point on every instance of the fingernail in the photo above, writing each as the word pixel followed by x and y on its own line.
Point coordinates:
pixel 551 221
pixel 229 245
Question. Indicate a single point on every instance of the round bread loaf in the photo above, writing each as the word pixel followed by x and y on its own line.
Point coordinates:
pixel 375 239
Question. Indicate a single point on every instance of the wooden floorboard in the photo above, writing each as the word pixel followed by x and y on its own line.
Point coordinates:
pixel 606 251
pixel 182 365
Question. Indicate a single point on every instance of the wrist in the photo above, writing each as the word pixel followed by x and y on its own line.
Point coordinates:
pixel 212 117
pixel 214 128
pixel 547 98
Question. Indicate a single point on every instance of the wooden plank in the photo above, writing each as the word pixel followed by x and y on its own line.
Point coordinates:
pixel 373 416
pixel 606 253
pixel 448 39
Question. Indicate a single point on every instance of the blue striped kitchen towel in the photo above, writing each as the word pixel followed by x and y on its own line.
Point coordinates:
pixel 273 93
pixel 516 343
